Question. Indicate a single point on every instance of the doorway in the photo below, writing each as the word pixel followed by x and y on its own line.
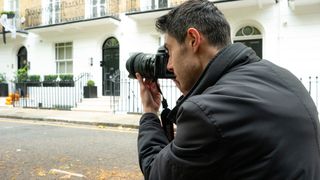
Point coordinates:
pixel 255 44
pixel 251 37
pixel 22 57
pixel 110 68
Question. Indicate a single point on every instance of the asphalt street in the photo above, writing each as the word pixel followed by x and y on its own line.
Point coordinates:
pixel 53 150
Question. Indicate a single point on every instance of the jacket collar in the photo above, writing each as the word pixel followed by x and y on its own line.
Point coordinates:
pixel 228 58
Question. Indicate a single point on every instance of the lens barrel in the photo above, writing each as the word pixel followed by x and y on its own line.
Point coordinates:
pixel 150 66
pixel 141 63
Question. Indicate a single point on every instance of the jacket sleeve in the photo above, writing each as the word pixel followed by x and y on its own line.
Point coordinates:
pixel 195 151
pixel 151 141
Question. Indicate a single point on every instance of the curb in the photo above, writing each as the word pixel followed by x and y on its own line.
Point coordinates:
pixel 72 121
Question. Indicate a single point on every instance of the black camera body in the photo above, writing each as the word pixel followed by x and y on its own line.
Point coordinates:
pixel 150 66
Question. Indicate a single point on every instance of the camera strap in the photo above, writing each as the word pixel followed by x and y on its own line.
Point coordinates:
pixel 167 125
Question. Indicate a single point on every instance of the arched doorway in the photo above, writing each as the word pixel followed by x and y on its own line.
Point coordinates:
pixel 251 37
pixel 110 68
pixel 22 57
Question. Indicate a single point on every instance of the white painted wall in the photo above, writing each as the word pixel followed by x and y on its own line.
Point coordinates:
pixel 299 40
pixel 8 58
pixel 290 39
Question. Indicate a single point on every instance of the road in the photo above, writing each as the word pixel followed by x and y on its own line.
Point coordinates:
pixel 41 150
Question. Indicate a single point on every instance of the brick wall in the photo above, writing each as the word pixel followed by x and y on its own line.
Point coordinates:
pixel 1 5
pixel 72 10
pixel 132 6
pixel 31 11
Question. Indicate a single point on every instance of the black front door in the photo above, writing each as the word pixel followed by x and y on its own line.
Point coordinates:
pixel 110 68
pixel 255 44
pixel 22 57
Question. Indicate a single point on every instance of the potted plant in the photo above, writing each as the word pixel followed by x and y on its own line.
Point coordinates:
pixel 10 14
pixel 90 91
pixel 21 79
pixel 66 80
pixel 50 80
pixel 33 80
pixel 22 75
pixel 3 85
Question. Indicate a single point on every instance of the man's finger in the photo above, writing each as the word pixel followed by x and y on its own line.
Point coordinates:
pixel 139 78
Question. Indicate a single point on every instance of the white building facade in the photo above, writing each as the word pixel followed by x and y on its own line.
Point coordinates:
pixel 285 32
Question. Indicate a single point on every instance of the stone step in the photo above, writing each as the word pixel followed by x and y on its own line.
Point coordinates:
pixel 91 109
pixel 101 104
pixel 99 101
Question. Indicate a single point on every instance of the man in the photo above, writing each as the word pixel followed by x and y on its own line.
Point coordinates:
pixel 240 117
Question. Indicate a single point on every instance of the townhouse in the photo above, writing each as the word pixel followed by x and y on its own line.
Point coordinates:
pixel 57 37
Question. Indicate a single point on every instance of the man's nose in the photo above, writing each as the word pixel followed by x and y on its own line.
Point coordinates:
pixel 169 65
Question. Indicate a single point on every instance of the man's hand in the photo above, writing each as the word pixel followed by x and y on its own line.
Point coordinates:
pixel 150 96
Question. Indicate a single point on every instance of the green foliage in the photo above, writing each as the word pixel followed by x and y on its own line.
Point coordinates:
pixel 34 78
pixel 61 107
pixel 50 77
pixel 66 77
pixel 8 12
pixel 90 83
pixel 3 78
pixel 22 74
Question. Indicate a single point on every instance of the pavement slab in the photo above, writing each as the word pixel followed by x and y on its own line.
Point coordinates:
pixel 77 117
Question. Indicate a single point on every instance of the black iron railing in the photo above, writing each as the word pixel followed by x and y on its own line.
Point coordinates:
pixel 312 85
pixel 55 95
pixel 130 101
pixel 126 99
pixel 68 11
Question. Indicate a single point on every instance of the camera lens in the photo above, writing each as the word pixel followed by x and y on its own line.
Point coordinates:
pixel 141 63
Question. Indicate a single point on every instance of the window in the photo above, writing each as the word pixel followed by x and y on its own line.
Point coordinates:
pixel 12 5
pixel 64 61
pixel 248 31
pixel 145 5
pixel 153 4
pixel 98 8
pixel 251 37
pixel 163 3
pixel 52 11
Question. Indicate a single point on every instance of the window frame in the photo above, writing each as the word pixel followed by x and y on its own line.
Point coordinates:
pixel 52 13
pixel 65 60
pixel 100 8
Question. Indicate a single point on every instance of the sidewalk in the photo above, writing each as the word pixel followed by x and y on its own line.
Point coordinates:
pixel 77 117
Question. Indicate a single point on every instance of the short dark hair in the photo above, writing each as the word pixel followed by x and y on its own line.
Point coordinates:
pixel 200 14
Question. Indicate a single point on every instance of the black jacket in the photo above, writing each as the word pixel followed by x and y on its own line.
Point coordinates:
pixel 245 118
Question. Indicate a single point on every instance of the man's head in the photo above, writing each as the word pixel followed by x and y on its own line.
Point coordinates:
pixel 194 32
pixel 199 14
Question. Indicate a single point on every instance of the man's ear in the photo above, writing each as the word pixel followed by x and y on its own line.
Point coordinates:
pixel 194 38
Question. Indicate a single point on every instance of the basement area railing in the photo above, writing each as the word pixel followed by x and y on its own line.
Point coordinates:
pixel 126 92
pixel 53 95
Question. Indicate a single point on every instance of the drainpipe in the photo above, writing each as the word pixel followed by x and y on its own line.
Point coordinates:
pixel 4 35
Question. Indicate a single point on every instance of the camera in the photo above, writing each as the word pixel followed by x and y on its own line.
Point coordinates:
pixel 150 66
